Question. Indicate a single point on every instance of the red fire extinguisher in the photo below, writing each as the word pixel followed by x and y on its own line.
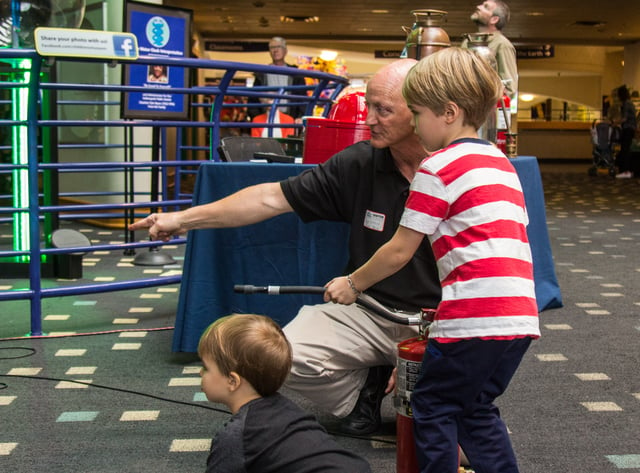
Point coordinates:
pixel 503 122
pixel 410 354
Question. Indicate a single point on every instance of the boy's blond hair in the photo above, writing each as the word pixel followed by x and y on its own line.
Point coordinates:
pixel 454 75
pixel 253 346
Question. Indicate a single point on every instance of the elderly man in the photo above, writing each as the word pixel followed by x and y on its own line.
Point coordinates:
pixel 278 52
pixel 343 355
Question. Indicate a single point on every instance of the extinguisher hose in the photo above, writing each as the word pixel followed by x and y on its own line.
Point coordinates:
pixel 363 300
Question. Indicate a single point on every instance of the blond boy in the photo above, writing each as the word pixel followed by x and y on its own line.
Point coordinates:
pixel 467 198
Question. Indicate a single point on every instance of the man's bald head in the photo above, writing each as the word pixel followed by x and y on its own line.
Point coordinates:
pixel 393 74
pixel 388 117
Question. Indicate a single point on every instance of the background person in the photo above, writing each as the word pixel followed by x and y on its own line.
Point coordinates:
pixel 246 358
pixel 468 200
pixel 276 132
pixel 343 355
pixel 278 52
pixel 491 16
pixel 628 126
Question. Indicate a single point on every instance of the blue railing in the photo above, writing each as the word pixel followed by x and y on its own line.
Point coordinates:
pixel 49 160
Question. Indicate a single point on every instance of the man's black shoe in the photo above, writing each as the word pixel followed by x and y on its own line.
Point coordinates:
pixel 365 418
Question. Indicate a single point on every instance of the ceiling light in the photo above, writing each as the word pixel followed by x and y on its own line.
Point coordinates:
pixel 303 19
pixel 380 11
pixel 527 97
pixel 327 55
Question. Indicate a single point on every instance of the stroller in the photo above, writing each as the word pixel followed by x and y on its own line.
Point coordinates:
pixel 603 137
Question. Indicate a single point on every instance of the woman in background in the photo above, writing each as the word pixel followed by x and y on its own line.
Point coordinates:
pixel 628 125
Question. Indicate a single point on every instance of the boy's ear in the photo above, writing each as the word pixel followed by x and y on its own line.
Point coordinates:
pixel 451 112
pixel 234 381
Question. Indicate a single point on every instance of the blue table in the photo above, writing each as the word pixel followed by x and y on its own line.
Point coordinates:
pixel 285 251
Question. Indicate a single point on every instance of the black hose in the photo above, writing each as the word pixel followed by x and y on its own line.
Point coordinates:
pixel 276 290
pixel 363 300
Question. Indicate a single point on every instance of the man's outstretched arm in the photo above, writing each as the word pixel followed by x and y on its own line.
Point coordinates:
pixel 249 205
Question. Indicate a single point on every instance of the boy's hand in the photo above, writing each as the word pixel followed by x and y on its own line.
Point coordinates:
pixel 339 290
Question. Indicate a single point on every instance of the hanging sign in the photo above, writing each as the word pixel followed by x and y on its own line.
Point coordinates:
pixel 535 52
pixel 70 42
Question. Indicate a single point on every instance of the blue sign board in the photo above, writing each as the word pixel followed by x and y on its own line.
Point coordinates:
pixel 163 33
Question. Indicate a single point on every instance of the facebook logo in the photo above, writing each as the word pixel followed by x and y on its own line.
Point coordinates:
pixel 124 46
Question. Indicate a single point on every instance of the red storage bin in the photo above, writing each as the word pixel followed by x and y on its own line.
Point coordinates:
pixel 350 108
pixel 345 126
pixel 325 137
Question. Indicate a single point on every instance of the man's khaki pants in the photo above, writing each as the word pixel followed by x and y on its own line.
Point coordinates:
pixel 334 346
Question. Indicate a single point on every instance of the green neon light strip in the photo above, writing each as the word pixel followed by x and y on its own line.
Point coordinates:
pixel 20 156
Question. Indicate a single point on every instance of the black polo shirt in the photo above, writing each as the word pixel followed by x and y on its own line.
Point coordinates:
pixel 362 186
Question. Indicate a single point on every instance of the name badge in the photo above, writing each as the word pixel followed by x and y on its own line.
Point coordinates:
pixel 374 221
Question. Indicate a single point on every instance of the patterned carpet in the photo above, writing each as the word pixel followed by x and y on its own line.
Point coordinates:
pixel 104 393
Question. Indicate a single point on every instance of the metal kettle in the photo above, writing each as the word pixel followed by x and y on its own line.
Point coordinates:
pixel 479 42
pixel 425 36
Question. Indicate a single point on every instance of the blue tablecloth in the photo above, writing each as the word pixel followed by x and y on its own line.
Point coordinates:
pixel 285 251
pixel 548 293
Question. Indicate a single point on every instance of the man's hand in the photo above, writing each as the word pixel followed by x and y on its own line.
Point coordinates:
pixel 339 290
pixel 392 383
pixel 162 226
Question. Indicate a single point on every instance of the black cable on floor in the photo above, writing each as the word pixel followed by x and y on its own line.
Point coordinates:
pixel 86 334
pixel 31 352
pixel 121 390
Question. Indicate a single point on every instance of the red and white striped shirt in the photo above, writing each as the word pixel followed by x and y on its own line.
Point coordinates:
pixel 468 199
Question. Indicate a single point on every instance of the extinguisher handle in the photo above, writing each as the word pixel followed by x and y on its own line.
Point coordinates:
pixel 368 302
pixel 363 300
